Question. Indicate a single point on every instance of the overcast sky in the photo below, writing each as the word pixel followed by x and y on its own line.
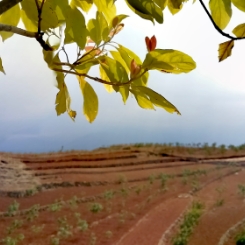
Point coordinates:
pixel 211 98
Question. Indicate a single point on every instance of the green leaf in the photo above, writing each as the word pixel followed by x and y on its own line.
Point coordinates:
pixel 1 66
pixel 114 70
pixel 104 29
pixel 156 99
pixel 128 55
pixel 225 49
pixel 146 9
pixel 94 31
pixel 142 99
pixel 76 28
pixel 85 5
pixel 63 100
pixel 142 80
pixel 28 23
pixel 109 88
pixel 221 12
pixel 124 91
pixel 10 17
pixel 161 3
pixel 117 56
pixel 49 17
pixel 98 28
pixel 107 7
pixel 118 19
pixel 176 3
pixel 61 97
pixel 116 73
pixel 169 60
pixel 61 8
pixel 240 4
pixel 90 100
pixel 239 30
pixel 175 6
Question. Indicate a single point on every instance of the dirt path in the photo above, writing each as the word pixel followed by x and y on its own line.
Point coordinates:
pixel 150 228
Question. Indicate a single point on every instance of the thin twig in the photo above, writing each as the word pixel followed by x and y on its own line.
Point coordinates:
pixel 99 79
pixel 216 27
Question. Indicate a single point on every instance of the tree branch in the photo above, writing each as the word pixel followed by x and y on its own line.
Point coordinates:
pixel 216 27
pixel 7 4
pixel 99 79
pixel 17 30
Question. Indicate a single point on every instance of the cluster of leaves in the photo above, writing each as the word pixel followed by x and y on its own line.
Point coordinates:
pixel 57 23
pixel 221 12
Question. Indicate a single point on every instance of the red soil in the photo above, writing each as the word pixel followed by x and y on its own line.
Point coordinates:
pixel 145 207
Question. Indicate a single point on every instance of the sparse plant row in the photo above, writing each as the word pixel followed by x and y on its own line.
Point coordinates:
pixel 14 207
pixel 213 180
pixel 65 230
pixel 66 184
pixel 167 234
pixel 151 178
pixel 189 221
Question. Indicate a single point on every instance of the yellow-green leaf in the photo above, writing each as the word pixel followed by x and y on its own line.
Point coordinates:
pixel 61 97
pixel 103 76
pixel 124 91
pixel 239 30
pixel 117 56
pixel 142 80
pixel 176 3
pixel 1 66
pixel 107 7
pixel 90 100
pixel 118 19
pixel 85 5
pixel 72 114
pixel 128 55
pixel 240 4
pixel 76 28
pixel 98 28
pixel 156 99
pixel 61 8
pixel 49 17
pixel 28 23
pixel 221 12
pixel 175 6
pixel 142 100
pixel 169 60
pixel 161 3
pixel 103 25
pixel 146 9
pixel 225 49
pixel 10 17
pixel 114 70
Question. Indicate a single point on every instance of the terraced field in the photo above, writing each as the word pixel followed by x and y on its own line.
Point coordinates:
pixel 123 195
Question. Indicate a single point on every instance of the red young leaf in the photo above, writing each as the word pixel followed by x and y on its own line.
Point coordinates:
pixel 151 43
pixel 147 42
pixel 134 69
